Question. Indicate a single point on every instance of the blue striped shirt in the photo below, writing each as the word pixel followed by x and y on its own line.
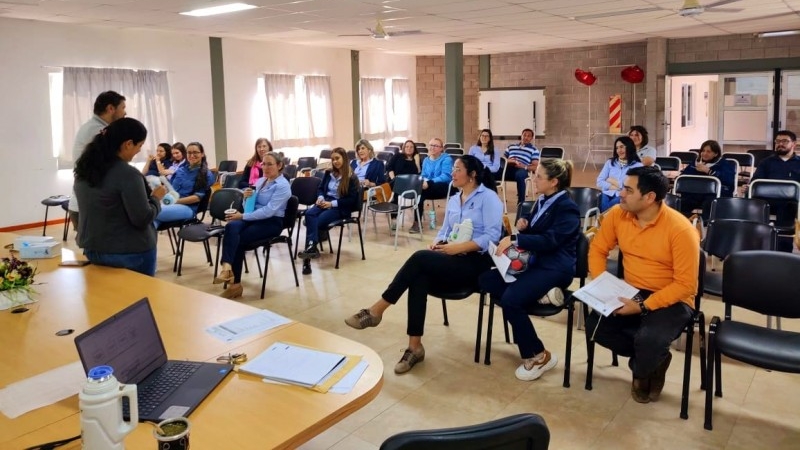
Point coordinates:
pixel 525 154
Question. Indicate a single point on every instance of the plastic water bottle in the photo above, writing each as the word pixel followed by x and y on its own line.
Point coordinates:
pixel 432 218
pixel 102 425
pixel 250 202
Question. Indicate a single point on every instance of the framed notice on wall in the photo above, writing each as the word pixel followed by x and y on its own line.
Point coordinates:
pixel 508 111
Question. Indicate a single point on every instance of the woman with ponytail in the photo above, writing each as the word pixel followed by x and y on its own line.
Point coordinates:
pixel 192 181
pixel 454 251
pixel 117 207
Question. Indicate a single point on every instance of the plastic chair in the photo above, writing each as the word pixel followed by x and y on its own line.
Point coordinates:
pixel 747 165
pixel 306 163
pixel 290 171
pixel 518 432
pixel 588 201
pixel 306 190
pixel 552 153
pixel 406 191
pixel 686 157
pixel 458 151
pixel 701 188
pixel 453 145
pixel 725 237
pixel 355 218
pixel 324 154
pixel 384 156
pixel 53 200
pixel 734 208
pixel 759 155
pixel 351 155
pixel 227 166
pixel 232 181
pixel 763 282
pixel 783 197
pixel 668 163
pixel 391 148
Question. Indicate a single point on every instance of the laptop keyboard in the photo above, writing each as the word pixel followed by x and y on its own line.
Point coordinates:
pixel 165 383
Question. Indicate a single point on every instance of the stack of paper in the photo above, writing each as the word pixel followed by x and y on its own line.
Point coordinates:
pixel 602 294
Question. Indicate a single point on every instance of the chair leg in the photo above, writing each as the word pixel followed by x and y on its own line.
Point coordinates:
pixel 444 313
pixel 258 263
pixel 246 269
pixel 479 328
pixel 712 355
pixel 216 260
pixel 489 324
pixel 294 266
pixel 589 356
pixel 44 230
pixel 361 240
pixel 614 359
pixel 297 238
pixel 266 267
pixel 568 350
pixel 179 255
pixel 171 241
pixel 687 370
pixel 178 242
pixel 66 226
pixel 338 250
pixel 701 336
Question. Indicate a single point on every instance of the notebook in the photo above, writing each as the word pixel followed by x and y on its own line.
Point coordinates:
pixel 130 343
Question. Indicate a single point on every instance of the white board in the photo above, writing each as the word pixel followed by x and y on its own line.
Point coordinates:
pixel 508 111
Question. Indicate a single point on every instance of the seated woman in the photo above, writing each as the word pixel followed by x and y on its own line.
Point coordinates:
pixel 253 170
pixel 157 164
pixel 711 164
pixel 337 198
pixel 485 152
pixel 178 159
pixel 436 176
pixel 550 233
pixel 613 173
pixel 404 163
pixel 477 202
pixel 647 153
pixel 192 182
pixel 272 193
pixel 117 207
pixel 370 171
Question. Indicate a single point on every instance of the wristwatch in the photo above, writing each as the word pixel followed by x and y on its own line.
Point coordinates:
pixel 638 299
pixel 513 239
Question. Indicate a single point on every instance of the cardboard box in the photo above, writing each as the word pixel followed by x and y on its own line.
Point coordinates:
pixel 36 247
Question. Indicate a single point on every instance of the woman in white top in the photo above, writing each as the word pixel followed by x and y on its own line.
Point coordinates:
pixel 485 152
pixel 647 153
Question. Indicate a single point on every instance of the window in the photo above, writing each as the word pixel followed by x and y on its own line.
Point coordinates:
pixel 687 105
pixel 299 110
pixel 385 109
pixel 72 96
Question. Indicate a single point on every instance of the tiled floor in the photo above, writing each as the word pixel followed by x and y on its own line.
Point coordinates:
pixel 760 409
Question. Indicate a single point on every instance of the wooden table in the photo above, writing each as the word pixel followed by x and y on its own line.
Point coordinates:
pixel 243 412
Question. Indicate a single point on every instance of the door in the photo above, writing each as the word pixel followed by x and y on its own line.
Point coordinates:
pixel 746 110
pixel 790 101
pixel 667 115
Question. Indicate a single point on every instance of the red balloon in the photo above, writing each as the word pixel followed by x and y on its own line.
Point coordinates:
pixel 584 77
pixel 632 74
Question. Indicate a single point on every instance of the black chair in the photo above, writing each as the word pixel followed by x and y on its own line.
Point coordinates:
pixel 737 208
pixel 552 152
pixel 696 320
pixel 232 180
pixel 306 163
pixel 702 189
pixel 306 190
pixel 289 217
pixel 760 154
pixel 763 282
pixel 668 163
pixel 290 171
pixel 673 201
pixel 517 432
pixel 221 200
pixel 539 310
pixel 455 151
pixel 725 237
pixel 588 201
pixel 686 157
pixel 351 155
pixel 172 227
pixel 227 166
pixel 391 148
pixel 422 150
pixel 783 197
pixel 384 156
pixel 747 165
pixel 453 145
pixel 406 193
pixel 65 207
pixel 324 154
pixel 54 200
pixel 355 218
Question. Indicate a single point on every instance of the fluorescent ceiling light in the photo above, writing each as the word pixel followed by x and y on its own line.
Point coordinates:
pixel 778 33
pixel 222 9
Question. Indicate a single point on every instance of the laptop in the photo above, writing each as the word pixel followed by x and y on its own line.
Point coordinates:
pixel 130 343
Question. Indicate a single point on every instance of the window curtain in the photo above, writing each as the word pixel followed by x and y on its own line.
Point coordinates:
pixel 299 109
pixel 374 119
pixel 320 108
pixel 401 108
pixel 147 100
pixel 282 108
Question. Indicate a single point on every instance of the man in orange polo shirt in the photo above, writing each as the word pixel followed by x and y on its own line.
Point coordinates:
pixel 661 257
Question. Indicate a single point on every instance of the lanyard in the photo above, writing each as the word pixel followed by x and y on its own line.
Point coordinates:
pixel 542 205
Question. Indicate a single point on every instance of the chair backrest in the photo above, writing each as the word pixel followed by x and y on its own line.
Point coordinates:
pixel 724 237
pixel 452 145
pixel 290 171
pixel 422 157
pixel 517 432
pixel 525 209
pixel 319 174
pixel 290 214
pixel 384 156
pixel 305 189
pixel 585 197
pixel 760 154
pixel 232 180
pixel 227 166
pixel 668 163
pixel 223 199
pixel 697 184
pixel 552 152
pixel 393 149
pixel 351 155
pixel 202 205
pixel 686 157
pixel 752 209
pixel 775 190
pixel 306 162
pixel 745 160
pixel 673 201
pixel 762 281
pixel 407 182
pixel 324 154
pixel 454 151
pixel 582 262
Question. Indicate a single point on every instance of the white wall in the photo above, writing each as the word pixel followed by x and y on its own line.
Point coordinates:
pixel 683 139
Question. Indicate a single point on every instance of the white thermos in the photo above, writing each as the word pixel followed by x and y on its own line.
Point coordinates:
pixel 102 424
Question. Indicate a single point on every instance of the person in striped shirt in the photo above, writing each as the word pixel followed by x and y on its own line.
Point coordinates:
pixel 523 158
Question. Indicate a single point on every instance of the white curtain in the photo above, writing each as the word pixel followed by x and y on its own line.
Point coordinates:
pixel 300 109
pixel 374 119
pixel 146 95
pixel 320 109
pixel 281 107
pixel 401 108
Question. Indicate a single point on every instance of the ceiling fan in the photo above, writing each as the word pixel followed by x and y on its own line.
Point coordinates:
pixel 380 33
pixel 688 9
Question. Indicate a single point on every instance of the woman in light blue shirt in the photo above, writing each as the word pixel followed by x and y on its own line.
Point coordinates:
pixel 478 202
pixel 485 152
pixel 613 174
pixel 272 192
pixel 436 175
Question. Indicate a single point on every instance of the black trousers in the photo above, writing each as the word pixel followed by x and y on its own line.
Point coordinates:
pixel 645 339
pixel 426 269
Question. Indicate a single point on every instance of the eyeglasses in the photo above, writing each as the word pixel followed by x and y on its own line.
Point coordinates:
pixel 435 145
pixel 194 153
pixel 782 141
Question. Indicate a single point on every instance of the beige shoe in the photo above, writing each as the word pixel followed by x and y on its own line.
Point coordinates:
pixel 410 359
pixel 226 276
pixel 232 292
pixel 363 319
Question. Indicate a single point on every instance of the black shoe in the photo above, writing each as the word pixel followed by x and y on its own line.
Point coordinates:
pixel 306 267
pixel 311 252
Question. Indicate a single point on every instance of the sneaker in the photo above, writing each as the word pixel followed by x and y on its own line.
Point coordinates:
pixel 414 228
pixel 537 368
pixel 311 252
pixel 306 267
pixel 409 360
pixel 658 377
pixel 553 297
pixel 640 390
pixel 363 319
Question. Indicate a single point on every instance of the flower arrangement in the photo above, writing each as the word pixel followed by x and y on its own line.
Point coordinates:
pixel 16 278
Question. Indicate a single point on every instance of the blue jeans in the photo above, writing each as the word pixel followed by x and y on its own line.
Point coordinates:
pixel 240 233
pixel 317 218
pixel 520 175
pixel 173 213
pixel 144 262
pixel 607 201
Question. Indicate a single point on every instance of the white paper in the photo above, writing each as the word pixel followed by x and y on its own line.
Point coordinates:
pixel 602 294
pixel 42 390
pixel 502 262
pixel 292 364
pixel 345 385
pixel 255 323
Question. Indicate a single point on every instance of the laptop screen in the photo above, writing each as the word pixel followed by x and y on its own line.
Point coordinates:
pixel 128 341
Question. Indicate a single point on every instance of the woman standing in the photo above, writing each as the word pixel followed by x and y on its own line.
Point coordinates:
pixel 647 153
pixel 160 162
pixel 550 233
pixel 485 152
pixel 253 170
pixel 613 173
pixel 477 202
pixel 370 171
pixel 272 193
pixel 337 198
pixel 117 207
pixel 192 182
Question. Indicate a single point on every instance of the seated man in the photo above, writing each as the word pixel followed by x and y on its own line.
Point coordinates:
pixel 523 158
pixel 661 250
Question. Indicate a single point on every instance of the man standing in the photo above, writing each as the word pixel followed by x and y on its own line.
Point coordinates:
pixel 523 158
pixel 108 107
pixel 662 252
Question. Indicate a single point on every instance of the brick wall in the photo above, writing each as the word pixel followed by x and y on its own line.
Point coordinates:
pixel 431 99
pixel 732 48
